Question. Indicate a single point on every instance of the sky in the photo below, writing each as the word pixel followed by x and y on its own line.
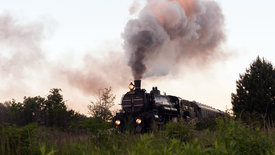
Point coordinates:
pixel 65 32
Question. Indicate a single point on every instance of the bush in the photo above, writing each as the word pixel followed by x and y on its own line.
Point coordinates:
pixel 91 124
pixel 228 137
pixel 207 123
pixel 235 138
pixel 180 130
pixel 16 140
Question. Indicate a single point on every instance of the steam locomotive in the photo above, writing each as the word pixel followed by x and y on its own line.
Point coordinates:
pixel 142 111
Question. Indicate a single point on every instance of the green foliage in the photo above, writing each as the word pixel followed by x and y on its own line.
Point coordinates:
pixel 92 124
pixel 15 114
pixel 206 123
pixel 193 148
pixel 235 138
pixel 100 109
pixel 32 109
pixel 255 95
pixel 180 130
pixel 50 111
pixel 4 113
pixel 229 137
pixel 18 140
pixel 55 109
pixel 43 150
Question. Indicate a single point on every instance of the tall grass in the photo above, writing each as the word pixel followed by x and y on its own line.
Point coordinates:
pixel 226 136
pixel 16 140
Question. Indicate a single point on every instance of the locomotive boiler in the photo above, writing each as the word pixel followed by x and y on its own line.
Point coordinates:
pixel 142 111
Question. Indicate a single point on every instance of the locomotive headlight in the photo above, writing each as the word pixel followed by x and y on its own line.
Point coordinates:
pixel 117 122
pixel 138 121
pixel 131 86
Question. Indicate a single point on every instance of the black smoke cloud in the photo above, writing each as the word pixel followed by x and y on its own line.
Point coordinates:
pixel 170 33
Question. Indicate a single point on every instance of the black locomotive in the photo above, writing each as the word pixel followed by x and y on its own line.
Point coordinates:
pixel 142 111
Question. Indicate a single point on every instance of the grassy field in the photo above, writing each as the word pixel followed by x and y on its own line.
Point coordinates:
pixel 222 136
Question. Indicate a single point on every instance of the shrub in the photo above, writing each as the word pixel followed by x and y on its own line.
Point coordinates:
pixel 180 130
pixel 91 124
pixel 237 138
pixel 16 140
pixel 207 123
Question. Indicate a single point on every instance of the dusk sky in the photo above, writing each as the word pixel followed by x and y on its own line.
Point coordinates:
pixel 64 44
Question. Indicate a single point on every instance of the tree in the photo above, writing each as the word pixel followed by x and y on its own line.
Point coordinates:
pixel 4 112
pixel 55 109
pixel 100 109
pixel 50 111
pixel 255 94
pixel 32 109
pixel 16 114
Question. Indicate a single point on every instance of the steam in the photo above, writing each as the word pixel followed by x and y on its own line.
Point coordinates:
pixel 134 7
pixel 168 33
pixel 25 68
pixel 20 46
pixel 98 73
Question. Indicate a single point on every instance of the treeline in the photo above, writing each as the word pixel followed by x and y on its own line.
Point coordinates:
pixel 50 111
pixel 32 126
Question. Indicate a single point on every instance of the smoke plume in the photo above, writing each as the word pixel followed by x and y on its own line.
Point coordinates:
pixel 134 7
pixel 25 67
pixel 168 33
pixel 98 73
pixel 20 46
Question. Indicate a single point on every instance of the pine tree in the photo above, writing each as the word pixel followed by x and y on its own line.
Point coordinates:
pixel 255 94
pixel 55 109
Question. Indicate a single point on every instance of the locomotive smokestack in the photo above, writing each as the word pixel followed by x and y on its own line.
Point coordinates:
pixel 137 84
